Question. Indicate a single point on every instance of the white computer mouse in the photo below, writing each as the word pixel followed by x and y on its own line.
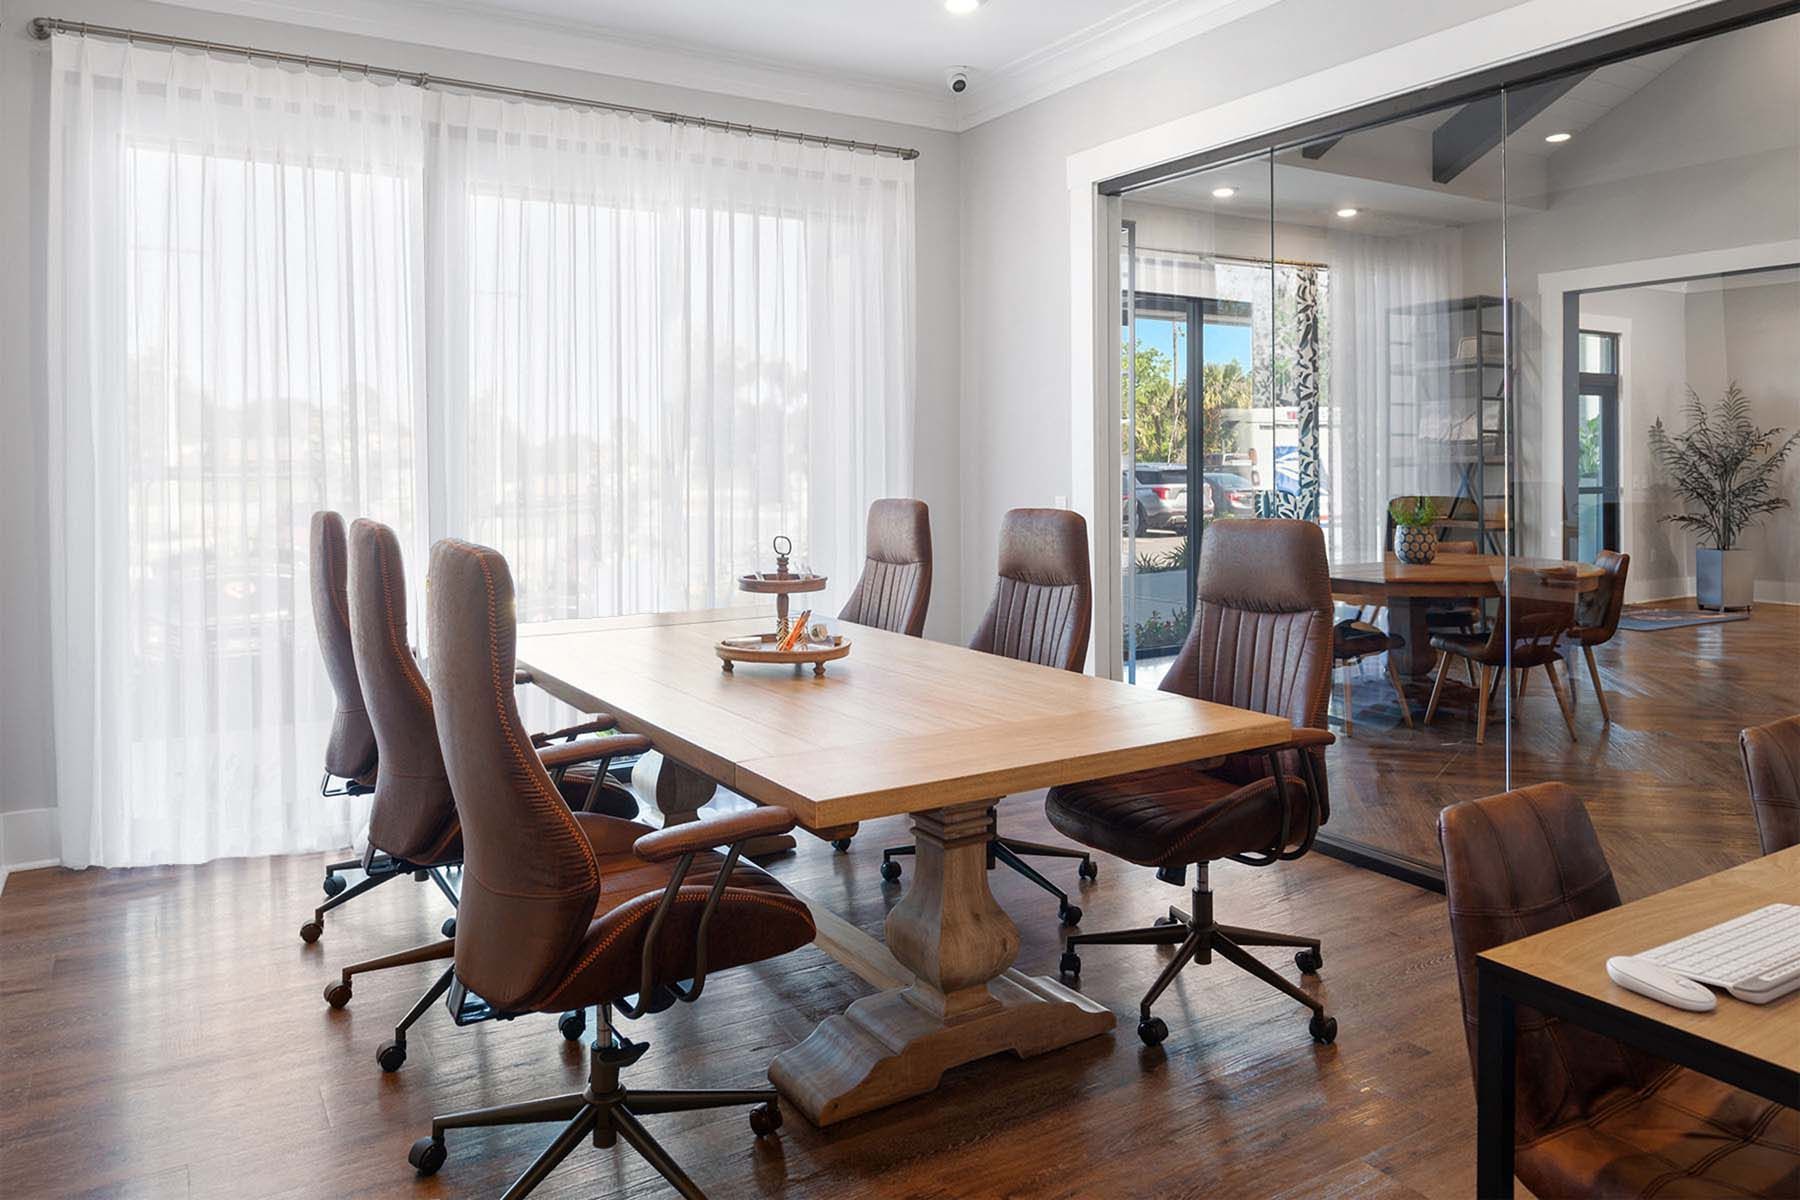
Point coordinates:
pixel 1656 981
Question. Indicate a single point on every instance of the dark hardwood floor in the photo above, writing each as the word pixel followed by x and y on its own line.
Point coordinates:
pixel 1664 782
pixel 162 1034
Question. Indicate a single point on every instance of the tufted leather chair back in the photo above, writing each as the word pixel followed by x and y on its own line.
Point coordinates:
pixel 1043 601
pixel 530 877
pixel 350 751
pixel 1597 612
pixel 1772 763
pixel 414 817
pixel 895 586
pixel 1517 864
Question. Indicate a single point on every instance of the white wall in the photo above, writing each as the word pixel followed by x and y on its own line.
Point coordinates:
pixel 1016 231
pixel 27 781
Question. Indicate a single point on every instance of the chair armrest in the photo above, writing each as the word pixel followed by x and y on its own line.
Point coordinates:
pixel 566 754
pixel 599 724
pixel 521 677
pixel 1307 738
pixel 692 836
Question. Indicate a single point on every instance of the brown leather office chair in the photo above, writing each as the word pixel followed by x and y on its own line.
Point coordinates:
pixel 1597 618
pixel 1772 765
pixel 564 909
pixel 1594 1117
pixel 1041 612
pixel 350 748
pixel 413 822
pixel 1537 611
pixel 1260 639
pixel 894 589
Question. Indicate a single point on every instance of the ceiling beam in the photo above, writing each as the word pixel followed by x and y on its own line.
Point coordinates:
pixel 1474 130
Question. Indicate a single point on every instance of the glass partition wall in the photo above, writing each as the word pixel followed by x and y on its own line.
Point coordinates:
pixel 1482 335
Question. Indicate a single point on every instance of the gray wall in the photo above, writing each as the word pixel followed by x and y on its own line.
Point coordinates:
pixel 27 778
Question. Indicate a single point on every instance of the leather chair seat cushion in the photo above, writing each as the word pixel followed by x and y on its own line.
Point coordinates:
pixel 1685 1135
pixel 1169 816
pixel 1475 646
pixel 1357 639
pixel 616 800
pixel 756 919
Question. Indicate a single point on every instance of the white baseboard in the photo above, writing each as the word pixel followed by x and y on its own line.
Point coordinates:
pixel 1648 591
pixel 30 838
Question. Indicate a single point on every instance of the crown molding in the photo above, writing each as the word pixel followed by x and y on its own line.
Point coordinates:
pixel 1140 31
pixel 447 25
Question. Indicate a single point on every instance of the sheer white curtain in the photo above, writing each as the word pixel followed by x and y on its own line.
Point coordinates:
pixel 1391 400
pixel 626 353
pixel 234 301
pixel 664 346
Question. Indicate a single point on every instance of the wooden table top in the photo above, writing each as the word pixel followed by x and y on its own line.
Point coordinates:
pixel 900 725
pixel 1574 956
pixel 1451 575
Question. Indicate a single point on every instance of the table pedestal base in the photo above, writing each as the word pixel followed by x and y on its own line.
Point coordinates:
pixel 678 794
pixel 964 1002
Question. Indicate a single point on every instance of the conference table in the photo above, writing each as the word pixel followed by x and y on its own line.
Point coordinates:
pixel 1407 589
pixel 901 725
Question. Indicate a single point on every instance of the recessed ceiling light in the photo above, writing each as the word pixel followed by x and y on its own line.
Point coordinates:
pixel 1346 213
pixel 1224 193
pixel 961 8
pixel 1557 139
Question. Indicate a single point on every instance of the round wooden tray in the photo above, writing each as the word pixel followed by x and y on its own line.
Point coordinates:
pixel 781 584
pixel 760 648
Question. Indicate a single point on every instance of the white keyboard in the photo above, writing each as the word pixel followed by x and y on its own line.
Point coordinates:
pixel 1755 957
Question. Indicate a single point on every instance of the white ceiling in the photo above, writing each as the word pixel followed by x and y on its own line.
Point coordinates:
pixel 872 58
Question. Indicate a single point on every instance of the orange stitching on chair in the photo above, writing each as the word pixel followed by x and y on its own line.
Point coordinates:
pixel 697 896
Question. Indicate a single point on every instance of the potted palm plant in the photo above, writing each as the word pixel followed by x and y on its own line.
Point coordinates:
pixel 1724 468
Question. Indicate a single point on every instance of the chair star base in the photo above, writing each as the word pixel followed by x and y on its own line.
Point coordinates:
pixel 1197 937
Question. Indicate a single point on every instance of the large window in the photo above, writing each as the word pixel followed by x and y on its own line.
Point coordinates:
pixel 625 353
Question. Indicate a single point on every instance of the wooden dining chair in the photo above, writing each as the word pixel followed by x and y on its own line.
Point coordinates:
pixel 1597 618
pixel 1357 639
pixel 1537 611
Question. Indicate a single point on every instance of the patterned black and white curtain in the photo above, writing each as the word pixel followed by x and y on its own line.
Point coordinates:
pixel 1304 504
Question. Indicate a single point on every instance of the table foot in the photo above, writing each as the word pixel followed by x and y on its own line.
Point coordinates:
pixel 886 1048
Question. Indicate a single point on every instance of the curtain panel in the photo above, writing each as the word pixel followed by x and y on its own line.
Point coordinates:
pixel 625 353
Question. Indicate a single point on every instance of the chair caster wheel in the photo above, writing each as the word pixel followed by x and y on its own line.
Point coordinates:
pixel 841 845
pixel 426 1155
pixel 334 883
pixel 572 1025
pixel 1164 922
pixel 1153 1031
pixel 310 932
pixel 337 994
pixel 448 928
pixel 1070 964
pixel 890 871
pixel 1088 870
pixel 1070 914
pixel 391 1056
pixel 1323 1029
pixel 1309 961
pixel 765 1119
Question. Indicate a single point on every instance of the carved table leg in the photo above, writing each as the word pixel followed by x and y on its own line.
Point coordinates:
pixel 678 793
pixel 965 1001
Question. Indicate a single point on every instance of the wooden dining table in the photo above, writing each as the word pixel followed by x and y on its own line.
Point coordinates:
pixel 1406 590
pixel 900 726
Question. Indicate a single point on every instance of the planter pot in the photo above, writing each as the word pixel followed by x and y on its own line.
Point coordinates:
pixel 1724 579
pixel 1415 545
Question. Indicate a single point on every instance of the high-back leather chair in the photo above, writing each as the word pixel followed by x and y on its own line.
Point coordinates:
pixel 1042 608
pixel 1597 617
pixel 894 589
pixel 1594 1117
pixel 568 909
pixel 1772 766
pixel 350 751
pixel 1260 639
pixel 1043 601
pixel 1532 619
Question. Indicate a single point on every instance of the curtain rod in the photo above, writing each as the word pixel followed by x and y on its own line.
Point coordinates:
pixel 43 27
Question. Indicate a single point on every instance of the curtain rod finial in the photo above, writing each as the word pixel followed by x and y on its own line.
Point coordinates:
pixel 40 28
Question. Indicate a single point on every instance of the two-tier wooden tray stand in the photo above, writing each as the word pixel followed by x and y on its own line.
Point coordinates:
pixel 761 648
